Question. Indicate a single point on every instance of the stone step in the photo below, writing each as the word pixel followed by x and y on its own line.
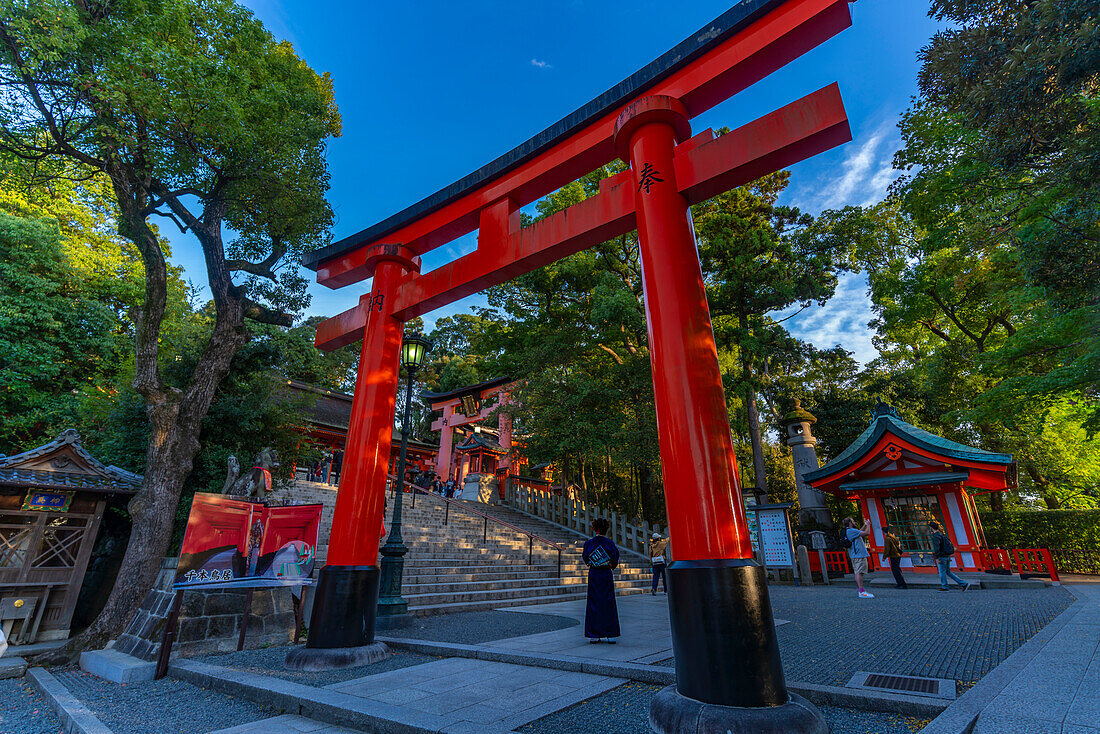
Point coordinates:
pixel 427 576
pixel 478 606
pixel 506 584
pixel 503 596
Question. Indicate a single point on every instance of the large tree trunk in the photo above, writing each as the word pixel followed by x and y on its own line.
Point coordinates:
pixel 175 418
pixel 759 475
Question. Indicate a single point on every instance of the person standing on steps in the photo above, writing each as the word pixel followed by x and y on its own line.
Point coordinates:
pixel 337 466
pixel 893 554
pixel 942 550
pixel 857 551
pixel 658 552
pixel 601 616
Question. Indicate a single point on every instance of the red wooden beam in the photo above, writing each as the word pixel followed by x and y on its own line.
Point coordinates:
pixel 772 41
pixel 705 166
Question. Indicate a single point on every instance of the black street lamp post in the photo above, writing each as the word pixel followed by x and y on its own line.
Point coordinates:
pixel 393 610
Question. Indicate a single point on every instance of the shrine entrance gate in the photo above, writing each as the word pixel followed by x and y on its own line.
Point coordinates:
pixel 722 628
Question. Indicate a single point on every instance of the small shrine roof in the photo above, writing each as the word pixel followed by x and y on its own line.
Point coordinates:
pixel 907 480
pixel 885 419
pixel 479 440
pixel 468 390
pixel 65 464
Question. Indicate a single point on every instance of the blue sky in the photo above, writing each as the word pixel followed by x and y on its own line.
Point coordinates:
pixel 429 91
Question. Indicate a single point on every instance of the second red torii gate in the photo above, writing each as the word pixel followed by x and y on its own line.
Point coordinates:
pixel 723 634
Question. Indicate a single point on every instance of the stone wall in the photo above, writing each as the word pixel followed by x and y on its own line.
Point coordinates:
pixel 209 621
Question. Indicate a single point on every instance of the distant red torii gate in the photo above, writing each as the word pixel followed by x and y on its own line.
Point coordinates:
pixel 722 628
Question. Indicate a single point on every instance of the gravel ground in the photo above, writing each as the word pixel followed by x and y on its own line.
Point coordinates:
pixel 625 710
pixel 269 661
pixel 959 636
pixel 24 711
pixel 473 628
pixel 166 706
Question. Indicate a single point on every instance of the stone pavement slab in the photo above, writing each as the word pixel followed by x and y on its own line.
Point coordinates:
pixel 643 619
pixel 466 690
pixel 1050 685
pixel 288 724
pixel 1060 685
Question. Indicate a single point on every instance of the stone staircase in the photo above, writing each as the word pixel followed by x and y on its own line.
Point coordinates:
pixel 458 562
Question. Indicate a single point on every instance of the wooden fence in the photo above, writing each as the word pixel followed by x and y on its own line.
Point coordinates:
pixel 628 533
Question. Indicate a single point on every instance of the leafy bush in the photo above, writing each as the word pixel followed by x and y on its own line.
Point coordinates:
pixel 1043 529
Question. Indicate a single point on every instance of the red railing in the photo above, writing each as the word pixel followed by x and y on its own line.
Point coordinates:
pixel 837 561
pixel 531 537
pixel 1035 561
pixel 996 558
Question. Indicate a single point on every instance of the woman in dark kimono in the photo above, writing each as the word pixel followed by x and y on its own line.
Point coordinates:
pixel 601 617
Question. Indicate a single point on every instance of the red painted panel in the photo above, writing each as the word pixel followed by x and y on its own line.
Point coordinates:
pixel 237 539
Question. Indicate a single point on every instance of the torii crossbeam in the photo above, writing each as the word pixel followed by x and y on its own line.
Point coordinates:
pixel 723 635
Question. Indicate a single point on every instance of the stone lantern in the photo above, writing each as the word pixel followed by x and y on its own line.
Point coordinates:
pixel 799 437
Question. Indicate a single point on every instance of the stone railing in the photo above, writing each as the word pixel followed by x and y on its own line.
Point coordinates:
pixel 628 534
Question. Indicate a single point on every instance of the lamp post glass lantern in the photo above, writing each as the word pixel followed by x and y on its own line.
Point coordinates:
pixel 393 610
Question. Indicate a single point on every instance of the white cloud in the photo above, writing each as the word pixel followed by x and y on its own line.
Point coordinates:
pixel 843 320
pixel 539 63
pixel 866 172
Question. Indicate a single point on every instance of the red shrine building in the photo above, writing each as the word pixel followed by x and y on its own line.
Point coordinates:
pixel 327 414
pixel 904 477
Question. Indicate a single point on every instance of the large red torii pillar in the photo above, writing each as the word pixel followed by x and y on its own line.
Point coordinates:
pixel 729 675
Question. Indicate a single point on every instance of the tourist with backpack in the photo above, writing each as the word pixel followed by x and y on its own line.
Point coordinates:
pixel 853 540
pixel 942 550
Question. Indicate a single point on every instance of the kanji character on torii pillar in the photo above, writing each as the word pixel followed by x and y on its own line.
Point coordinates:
pixel 729 677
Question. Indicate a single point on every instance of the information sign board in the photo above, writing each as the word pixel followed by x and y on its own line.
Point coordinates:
pixel 774 532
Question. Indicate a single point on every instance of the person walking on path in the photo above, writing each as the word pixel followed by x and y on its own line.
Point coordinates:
pixel 942 550
pixel 601 616
pixel 658 551
pixel 893 554
pixel 857 551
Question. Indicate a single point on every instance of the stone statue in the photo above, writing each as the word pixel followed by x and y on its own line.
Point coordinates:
pixel 233 473
pixel 255 483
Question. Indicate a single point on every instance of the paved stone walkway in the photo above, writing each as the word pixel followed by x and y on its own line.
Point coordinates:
pixel 827 633
pixel 270 661
pixel 462 690
pixel 1057 691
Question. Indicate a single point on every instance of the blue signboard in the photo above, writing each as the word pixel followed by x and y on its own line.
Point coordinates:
pixel 38 499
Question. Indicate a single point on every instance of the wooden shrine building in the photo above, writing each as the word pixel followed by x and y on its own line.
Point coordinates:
pixel 52 500
pixel 327 415
pixel 904 476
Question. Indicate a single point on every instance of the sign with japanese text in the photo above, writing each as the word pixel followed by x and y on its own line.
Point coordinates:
pixel 48 501
pixel 237 542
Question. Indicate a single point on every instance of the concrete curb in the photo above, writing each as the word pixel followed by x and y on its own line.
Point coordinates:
pixel 75 716
pixel 883 702
pixel 320 704
pixel 960 716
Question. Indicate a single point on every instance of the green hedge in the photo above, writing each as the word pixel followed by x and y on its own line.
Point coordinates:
pixel 1042 529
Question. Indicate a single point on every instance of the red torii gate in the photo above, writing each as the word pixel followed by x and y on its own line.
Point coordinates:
pixel 723 635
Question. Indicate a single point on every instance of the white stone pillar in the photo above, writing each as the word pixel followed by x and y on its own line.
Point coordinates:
pixel 802 442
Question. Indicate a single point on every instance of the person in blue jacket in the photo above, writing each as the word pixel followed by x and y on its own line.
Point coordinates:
pixel 601 616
